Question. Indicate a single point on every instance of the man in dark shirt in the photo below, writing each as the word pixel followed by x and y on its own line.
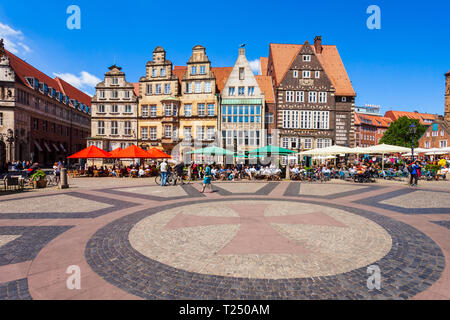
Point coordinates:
pixel 179 170
pixel 414 173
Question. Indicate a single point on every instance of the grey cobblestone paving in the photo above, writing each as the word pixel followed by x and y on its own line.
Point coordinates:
pixel 15 290
pixel 294 188
pixel 263 191
pixel 28 245
pixel 376 202
pixel 191 192
pixel 412 265
pixel 443 223
pixel 116 205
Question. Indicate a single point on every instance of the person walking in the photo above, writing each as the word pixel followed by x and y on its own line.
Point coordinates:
pixel 207 179
pixel 179 170
pixel 163 170
pixel 414 169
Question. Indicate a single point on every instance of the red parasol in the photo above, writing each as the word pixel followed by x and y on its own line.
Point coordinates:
pixel 157 154
pixel 132 152
pixel 91 152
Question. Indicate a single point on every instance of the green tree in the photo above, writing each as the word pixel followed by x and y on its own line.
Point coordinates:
pixel 398 133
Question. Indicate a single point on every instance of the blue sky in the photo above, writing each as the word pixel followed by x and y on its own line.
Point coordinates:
pixel 401 66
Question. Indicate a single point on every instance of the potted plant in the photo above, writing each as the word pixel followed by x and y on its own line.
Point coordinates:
pixel 38 179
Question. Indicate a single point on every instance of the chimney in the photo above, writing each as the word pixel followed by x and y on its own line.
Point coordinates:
pixel 318 44
pixel 242 50
pixel 447 96
pixel 2 48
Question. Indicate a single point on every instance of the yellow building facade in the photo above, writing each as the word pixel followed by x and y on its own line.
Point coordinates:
pixel 178 108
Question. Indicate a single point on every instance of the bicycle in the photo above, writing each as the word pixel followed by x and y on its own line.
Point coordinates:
pixel 183 179
pixel 52 180
pixel 169 180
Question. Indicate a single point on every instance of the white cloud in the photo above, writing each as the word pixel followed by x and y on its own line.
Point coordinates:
pixel 85 81
pixel 255 65
pixel 13 39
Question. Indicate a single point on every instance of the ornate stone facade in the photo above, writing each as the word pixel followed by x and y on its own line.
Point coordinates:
pixel 241 119
pixel 114 112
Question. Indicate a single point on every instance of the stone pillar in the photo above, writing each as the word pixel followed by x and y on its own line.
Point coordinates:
pixel 64 180
pixel 288 172
pixel 447 97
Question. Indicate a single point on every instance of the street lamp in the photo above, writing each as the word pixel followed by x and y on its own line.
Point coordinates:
pixel 412 131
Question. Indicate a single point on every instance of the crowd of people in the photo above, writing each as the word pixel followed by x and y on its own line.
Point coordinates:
pixel 361 171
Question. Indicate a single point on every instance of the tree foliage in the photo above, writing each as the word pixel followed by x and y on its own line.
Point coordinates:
pixel 398 133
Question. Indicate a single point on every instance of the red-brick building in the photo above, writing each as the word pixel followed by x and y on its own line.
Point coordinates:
pixel 438 134
pixel 41 118
pixel 369 129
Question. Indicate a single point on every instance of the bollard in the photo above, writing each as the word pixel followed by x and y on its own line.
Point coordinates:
pixel 288 172
pixel 190 172
pixel 64 181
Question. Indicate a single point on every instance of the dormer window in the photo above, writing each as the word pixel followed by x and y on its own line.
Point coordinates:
pixel 202 70
pixel 306 74
pixel 306 57
pixel 114 81
pixel 193 70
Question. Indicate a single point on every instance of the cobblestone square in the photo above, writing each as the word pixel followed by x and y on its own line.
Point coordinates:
pixel 132 239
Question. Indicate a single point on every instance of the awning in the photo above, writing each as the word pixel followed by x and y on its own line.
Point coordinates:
pixel 56 148
pixel 38 146
pixel 47 147
pixel 62 147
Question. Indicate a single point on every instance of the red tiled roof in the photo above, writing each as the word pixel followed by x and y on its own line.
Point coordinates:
pixel 282 56
pixel 179 72
pixel 377 121
pixel 23 69
pixel 265 83
pixel 221 75
pixel 394 115
pixel 136 88
pixel 263 62
pixel 73 92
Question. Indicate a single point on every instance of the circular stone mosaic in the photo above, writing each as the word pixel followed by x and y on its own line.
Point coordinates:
pixel 263 249
pixel 260 239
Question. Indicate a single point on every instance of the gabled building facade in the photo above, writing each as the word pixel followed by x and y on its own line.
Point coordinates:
pixel 114 112
pixel 159 105
pixel 42 119
pixel 313 94
pixel 242 108
pixel 370 128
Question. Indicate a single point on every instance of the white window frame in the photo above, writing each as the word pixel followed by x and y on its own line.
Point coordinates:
pixel 153 111
pixel 317 74
pixel 295 73
pixel 144 133
pixel 198 87
pixel 101 128
pixel 306 74
pixel 201 109
pixel 208 87
pixel 144 110
pixel 231 91
pixel 322 97
pixel 312 97
pixel 443 144
pixel 299 96
pixel 289 96
pixel 306 58
pixel 188 110
pixel 127 128
pixel 114 128
pixel 153 133
pixel 211 107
